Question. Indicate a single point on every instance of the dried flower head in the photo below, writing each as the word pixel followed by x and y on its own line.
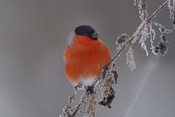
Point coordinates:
pixel 123 38
pixel 162 46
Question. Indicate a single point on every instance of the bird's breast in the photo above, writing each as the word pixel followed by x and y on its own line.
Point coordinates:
pixel 86 61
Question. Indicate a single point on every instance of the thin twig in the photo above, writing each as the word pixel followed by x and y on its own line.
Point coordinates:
pixel 131 39
pixel 129 42
pixel 156 12
pixel 76 110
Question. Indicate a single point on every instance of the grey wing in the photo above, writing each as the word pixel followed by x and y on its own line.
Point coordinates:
pixel 69 39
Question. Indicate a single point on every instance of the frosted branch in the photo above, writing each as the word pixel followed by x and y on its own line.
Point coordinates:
pixel 102 91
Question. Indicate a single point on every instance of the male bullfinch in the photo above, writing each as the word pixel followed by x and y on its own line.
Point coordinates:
pixel 85 55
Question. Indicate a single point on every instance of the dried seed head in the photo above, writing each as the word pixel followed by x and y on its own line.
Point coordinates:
pixel 163 48
pixel 163 45
pixel 121 39
pixel 163 39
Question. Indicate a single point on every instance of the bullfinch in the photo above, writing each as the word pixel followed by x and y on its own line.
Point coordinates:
pixel 85 55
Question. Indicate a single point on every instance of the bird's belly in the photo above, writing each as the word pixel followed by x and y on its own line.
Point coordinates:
pixel 88 81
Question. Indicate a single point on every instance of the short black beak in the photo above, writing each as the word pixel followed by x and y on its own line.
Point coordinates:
pixel 95 35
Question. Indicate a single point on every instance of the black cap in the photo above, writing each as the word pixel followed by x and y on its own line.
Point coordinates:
pixel 87 31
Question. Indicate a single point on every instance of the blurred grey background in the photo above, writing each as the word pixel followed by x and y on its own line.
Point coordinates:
pixel 32 41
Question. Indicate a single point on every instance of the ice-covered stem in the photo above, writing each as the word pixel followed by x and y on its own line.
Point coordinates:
pixel 130 41
pixel 157 11
pixel 141 28
pixel 76 110
pixel 171 6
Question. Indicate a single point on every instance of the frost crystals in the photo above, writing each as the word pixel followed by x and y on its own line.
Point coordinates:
pixel 130 57
pixel 162 46
pixel 144 36
pixel 103 94
pixel 152 35
pixel 171 6
pixel 142 4
pixel 121 40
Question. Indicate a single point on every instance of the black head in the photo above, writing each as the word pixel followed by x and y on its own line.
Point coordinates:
pixel 87 31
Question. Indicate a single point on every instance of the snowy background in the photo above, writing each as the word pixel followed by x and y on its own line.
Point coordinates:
pixel 32 41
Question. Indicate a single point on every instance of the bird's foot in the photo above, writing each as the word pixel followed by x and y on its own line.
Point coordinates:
pixel 90 89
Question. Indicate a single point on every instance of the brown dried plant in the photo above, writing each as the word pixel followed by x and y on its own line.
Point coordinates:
pixel 103 93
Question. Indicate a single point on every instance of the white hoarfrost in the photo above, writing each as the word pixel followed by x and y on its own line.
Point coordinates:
pixel 144 36
pixel 130 59
pixel 152 35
